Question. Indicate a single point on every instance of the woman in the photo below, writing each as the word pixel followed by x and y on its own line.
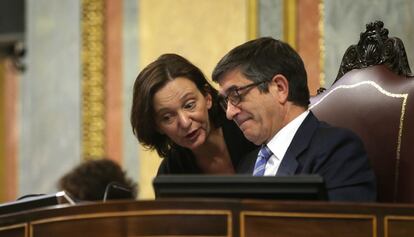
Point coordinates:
pixel 176 112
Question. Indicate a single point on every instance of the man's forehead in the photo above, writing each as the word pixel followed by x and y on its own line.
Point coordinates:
pixel 231 80
pixel 227 84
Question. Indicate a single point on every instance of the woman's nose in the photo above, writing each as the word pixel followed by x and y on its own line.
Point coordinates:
pixel 184 119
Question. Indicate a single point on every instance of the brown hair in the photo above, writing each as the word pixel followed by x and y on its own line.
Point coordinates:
pixel 89 180
pixel 261 59
pixel 152 78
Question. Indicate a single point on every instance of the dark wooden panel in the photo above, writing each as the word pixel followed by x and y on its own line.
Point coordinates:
pixel 306 225
pixel 13 231
pixel 138 225
pixel 399 226
pixel 259 218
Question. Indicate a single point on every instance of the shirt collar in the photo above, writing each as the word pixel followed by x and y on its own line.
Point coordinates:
pixel 281 141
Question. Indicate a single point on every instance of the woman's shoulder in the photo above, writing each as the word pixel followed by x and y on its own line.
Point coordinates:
pixel 236 142
pixel 233 133
pixel 178 161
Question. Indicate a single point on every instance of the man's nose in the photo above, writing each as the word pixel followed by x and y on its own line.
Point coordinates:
pixel 231 111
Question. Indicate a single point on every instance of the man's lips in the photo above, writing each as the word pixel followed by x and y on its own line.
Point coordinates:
pixel 240 120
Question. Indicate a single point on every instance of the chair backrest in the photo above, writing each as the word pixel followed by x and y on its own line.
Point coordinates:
pixel 373 95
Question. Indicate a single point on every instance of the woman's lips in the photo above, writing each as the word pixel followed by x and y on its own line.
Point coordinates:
pixel 192 135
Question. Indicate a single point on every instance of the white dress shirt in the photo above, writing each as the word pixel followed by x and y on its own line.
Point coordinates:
pixel 280 143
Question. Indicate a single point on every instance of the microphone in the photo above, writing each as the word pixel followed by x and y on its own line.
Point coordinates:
pixel 116 190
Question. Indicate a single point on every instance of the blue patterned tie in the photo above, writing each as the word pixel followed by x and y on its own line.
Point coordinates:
pixel 262 158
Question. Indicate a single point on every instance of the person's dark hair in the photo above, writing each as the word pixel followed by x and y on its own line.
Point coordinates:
pixel 261 59
pixel 88 181
pixel 151 79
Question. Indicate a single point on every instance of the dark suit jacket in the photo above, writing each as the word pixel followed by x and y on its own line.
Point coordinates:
pixel 334 153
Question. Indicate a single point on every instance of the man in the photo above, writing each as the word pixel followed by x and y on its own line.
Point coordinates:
pixel 264 89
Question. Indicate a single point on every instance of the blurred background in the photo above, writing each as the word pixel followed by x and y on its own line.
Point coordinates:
pixel 67 69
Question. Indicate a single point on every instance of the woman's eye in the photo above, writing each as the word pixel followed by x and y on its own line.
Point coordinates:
pixel 190 105
pixel 166 118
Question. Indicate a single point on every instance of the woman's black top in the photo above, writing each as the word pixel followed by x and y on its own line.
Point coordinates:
pixel 182 160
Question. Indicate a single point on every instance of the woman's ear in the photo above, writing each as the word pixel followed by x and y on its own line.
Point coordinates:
pixel 208 97
pixel 209 100
pixel 280 86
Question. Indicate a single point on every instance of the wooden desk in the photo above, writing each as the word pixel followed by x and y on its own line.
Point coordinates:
pixel 208 217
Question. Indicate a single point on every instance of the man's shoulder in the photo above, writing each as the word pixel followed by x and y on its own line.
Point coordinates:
pixel 322 132
pixel 321 137
pixel 326 130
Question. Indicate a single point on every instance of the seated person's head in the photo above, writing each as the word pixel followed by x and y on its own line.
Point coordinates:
pixel 262 79
pixel 173 104
pixel 92 178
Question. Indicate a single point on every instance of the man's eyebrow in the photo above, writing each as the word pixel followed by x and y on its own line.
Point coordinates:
pixel 231 88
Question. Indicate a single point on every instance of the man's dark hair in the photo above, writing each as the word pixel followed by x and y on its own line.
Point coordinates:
pixel 263 58
pixel 89 180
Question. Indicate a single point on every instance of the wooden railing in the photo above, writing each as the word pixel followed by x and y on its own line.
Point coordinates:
pixel 211 217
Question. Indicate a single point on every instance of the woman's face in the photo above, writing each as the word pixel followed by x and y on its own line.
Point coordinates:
pixel 181 113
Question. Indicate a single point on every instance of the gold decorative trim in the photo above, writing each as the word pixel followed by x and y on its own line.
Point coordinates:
pixel 3 172
pixel 400 128
pixel 321 28
pixel 252 23
pixel 289 22
pixel 243 214
pixel 93 93
pixel 394 218
pixel 400 131
pixel 15 227
pixel 226 213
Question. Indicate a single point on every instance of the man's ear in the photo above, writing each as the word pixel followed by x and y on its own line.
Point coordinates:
pixel 280 85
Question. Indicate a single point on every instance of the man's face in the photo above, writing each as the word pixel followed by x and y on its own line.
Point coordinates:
pixel 258 114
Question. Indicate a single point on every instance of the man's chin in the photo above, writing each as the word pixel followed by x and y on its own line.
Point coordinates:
pixel 251 138
pixel 244 126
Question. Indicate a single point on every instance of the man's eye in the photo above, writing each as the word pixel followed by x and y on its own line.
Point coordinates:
pixel 232 94
pixel 232 90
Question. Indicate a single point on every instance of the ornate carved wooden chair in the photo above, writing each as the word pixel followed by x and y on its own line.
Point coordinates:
pixel 373 95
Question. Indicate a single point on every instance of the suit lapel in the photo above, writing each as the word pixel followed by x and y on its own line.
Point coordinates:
pixel 299 144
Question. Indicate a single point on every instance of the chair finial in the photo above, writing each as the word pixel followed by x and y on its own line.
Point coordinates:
pixel 375 48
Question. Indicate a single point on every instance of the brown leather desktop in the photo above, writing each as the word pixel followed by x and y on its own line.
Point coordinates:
pixel 212 217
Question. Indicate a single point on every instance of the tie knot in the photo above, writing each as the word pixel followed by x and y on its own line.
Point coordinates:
pixel 265 152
